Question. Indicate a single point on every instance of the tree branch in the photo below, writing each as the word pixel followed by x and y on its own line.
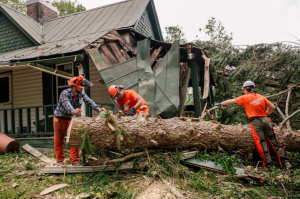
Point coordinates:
pixel 212 109
pixel 283 91
pixel 289 117
pixel 280 112
pixel 287 103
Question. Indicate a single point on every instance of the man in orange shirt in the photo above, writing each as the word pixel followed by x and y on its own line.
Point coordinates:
pixel 130 99
pixel 262 131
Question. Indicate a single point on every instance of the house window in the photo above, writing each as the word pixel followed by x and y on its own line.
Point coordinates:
pixel 62 83
pixel 5 82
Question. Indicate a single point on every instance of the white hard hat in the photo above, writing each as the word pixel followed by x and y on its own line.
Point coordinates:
pixel 248 83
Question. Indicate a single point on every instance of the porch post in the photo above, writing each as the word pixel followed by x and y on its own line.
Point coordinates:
pixel 5 121
pixel 194 75
pixel 86 69
pixel 81 71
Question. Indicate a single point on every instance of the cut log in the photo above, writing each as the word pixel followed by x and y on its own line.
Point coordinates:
pixel 171 134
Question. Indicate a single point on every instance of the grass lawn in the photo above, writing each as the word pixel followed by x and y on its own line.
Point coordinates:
pixel 162 176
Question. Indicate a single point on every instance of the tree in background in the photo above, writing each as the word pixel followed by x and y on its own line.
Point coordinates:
pixel 273 67
pixel 65 7
pixel 19 5
pixel 175 33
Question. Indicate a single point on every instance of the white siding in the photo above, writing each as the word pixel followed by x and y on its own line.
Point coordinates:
pixel 27 91
pixel 99 92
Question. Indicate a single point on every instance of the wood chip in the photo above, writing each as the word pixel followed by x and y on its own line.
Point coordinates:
pixel 37 154
pixel 53 188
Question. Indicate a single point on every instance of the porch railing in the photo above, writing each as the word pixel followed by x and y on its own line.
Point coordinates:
pixel 41 126
pixel 23 131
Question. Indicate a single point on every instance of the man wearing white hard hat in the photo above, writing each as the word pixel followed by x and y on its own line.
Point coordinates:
pixel 263 133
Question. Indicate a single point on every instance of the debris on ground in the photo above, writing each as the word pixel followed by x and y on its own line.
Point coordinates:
pixel 8 144
pixel 162 175
pixel 52 188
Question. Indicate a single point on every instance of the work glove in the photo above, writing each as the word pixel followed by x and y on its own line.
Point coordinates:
pixel 219 104
pixel 131 111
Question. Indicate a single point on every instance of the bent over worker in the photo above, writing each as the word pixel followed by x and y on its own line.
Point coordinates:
pixel 69 104
pixel 129 98
pixel 262 131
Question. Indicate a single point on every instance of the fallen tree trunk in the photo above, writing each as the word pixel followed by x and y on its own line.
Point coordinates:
pixel 169 134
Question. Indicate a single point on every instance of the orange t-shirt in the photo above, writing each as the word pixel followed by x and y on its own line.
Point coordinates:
pixel 129 99
pixel 254 104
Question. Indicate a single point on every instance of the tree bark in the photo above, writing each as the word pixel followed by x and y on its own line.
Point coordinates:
pixel 287 103
pixel 171 134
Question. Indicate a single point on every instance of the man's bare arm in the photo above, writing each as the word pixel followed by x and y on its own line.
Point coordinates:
pixel 122 109
pixel 228 102
pixel 271 108
pixel 139 103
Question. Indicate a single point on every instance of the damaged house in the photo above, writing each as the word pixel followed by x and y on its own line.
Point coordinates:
pixel 120 43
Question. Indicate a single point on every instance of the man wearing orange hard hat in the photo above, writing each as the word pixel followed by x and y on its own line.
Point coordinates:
pixel 130 99
pixel 69 104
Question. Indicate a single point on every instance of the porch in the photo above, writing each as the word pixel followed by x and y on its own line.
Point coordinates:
pixel 35 121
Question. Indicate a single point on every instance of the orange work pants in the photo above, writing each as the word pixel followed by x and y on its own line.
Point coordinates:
pixel 60 127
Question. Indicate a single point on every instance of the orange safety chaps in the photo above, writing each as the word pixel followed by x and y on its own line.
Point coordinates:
pixel 60 129
pixel 263 140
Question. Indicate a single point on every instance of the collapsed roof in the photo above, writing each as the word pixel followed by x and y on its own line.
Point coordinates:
pixel 158 71
pixel 73 32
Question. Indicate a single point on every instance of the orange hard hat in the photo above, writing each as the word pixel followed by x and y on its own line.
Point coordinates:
pixel 76 81
pixel 113 91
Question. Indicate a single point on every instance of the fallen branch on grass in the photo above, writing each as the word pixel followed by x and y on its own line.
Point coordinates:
pixel 109 167
pixel 123 159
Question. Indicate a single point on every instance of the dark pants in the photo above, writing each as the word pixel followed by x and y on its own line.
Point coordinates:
pixel 263 136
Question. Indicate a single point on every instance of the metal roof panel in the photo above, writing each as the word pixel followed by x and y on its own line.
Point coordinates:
pixel 33 28
pixel 60 47
pixel 74 31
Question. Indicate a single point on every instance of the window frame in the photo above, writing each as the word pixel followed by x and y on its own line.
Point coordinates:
pixel 56 82
pixel 9 75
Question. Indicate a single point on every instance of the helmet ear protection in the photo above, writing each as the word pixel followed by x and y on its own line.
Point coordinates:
pixel 119 88
pixel 83 82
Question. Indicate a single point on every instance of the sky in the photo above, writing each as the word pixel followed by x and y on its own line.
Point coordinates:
pixel 250 21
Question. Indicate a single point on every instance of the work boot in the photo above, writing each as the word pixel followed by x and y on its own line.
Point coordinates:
pixel 60 163
pixel 268 165
pixel 288 165
pixel 76 164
